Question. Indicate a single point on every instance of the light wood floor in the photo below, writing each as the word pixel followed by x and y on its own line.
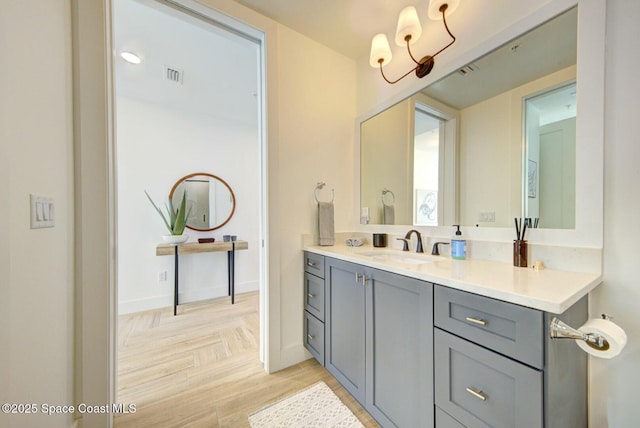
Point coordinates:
pixel 202 369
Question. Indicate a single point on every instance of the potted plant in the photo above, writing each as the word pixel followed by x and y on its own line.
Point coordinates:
pixel 175 220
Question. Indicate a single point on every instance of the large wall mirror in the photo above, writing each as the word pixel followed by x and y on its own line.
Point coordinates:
pixel 210 200
pixel 492 141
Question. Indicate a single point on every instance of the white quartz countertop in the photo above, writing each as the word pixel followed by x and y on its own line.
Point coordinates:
pixel 547 290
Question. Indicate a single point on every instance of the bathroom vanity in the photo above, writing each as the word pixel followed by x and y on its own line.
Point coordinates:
pixel 429 341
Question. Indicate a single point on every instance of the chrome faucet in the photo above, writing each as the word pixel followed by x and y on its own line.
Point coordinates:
pixel 406 239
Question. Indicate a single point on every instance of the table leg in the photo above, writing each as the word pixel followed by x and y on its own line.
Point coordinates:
pixel 175 282
pixel 231 265
pixel 228 273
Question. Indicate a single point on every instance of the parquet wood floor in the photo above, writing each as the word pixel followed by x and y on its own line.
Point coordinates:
pixel 202 369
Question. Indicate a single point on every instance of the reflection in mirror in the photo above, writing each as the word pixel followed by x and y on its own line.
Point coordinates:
pixel 550 141
pixel 426 162
pixel 480 170
pixel 210 199
pixel 408 150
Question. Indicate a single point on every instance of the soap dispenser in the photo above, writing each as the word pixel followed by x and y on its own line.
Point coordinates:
pixel 458 245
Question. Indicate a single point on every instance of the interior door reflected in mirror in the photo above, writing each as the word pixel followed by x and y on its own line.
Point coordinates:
pixel 550 155
pixel 209 198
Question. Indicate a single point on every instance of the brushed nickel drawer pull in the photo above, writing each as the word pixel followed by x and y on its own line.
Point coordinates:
pixel 311 296
pixel 313 337
pixel 310 264
pixel 476 321
pixel 478 394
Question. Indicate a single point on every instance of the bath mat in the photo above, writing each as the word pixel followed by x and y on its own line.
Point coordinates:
pixel 315 406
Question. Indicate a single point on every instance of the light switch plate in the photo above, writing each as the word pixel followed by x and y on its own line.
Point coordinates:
pixel 43 211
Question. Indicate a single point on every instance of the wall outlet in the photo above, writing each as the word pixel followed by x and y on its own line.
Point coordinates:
pixel 162 276
pixel 487 217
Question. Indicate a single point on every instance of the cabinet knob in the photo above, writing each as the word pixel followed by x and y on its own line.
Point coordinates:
pixel 311 296
pixel 310 263
pixel 477 393
pixel 310 337
pixel 476 321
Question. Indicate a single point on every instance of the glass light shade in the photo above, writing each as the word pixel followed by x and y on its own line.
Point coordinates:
pixel 434 8
pixel 408 24
pixel 379 49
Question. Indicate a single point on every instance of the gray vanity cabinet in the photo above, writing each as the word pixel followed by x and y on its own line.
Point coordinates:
pixel 495 365
pixel 379 341
pixel 415 354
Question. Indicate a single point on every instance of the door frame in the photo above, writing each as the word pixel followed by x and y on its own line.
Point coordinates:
pixel 95 243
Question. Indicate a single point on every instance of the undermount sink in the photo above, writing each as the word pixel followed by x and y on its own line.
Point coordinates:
pixel 401 257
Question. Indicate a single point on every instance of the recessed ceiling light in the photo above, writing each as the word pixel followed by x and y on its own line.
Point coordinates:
pixel 131 57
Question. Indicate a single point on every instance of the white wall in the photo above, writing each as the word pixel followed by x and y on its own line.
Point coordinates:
pixel 36 294
pixel 614 382
pixel 315 119
pixel 156 147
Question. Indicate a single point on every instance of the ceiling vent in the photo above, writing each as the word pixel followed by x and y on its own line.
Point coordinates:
pixel 173 74
pixel 468 69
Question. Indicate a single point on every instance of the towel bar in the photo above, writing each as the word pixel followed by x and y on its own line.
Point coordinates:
pixel 319 186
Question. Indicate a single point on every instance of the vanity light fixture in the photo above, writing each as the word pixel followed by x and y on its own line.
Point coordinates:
pixel 130 57
pixel 408 32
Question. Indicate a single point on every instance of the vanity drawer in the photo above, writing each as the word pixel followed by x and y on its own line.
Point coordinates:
pixel 314 295
pixel 480 388
pixel 314 336
pixel 509 329
pixel 314 263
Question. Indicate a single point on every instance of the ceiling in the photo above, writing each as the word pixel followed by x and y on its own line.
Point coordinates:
pixel 210 84
pixel 346 26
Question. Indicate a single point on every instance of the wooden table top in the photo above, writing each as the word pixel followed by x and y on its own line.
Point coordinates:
pixel 196 247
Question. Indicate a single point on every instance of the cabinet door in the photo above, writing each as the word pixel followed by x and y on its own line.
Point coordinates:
pixel 399 350
pixel 344 325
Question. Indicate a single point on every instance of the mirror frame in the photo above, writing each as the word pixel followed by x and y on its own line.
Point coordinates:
pixel 233 197
pixel 588 232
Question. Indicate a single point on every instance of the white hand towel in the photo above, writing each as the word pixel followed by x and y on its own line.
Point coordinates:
pixel 325 223
pixel 389 214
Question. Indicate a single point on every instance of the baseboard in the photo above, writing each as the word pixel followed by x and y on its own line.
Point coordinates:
pixel 292 355
pixel 158 302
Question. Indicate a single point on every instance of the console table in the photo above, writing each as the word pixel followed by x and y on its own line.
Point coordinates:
pixel 207 247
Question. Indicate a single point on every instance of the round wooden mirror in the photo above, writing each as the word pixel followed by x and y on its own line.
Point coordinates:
pixel 210 199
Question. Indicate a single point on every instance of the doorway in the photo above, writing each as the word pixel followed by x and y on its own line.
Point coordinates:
pixel 190 103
